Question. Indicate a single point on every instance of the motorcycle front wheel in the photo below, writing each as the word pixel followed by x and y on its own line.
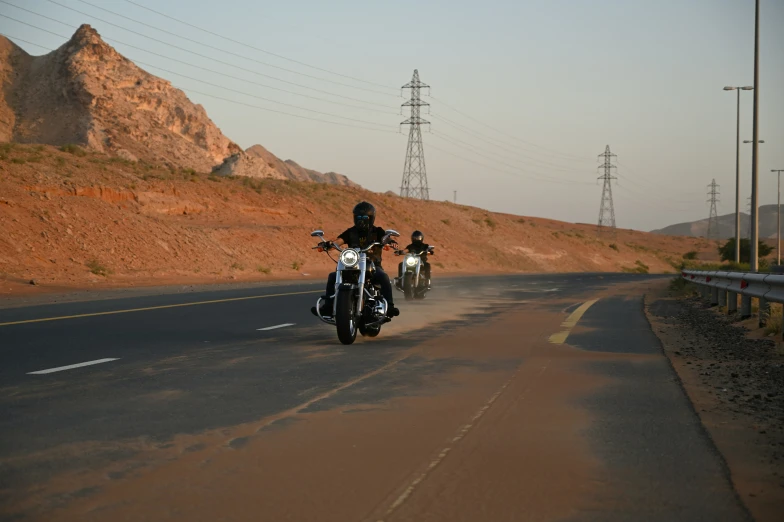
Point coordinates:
pixel 345 318
pixel 408 286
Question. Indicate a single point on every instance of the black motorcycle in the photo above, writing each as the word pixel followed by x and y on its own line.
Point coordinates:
pixel 358 303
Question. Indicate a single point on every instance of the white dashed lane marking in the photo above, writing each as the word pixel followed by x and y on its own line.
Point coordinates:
pixel 72 366
pixel 284 325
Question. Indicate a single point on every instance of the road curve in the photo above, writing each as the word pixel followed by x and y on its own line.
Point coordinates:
pixel 503 398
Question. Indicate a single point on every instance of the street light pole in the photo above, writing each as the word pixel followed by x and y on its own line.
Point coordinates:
pixel 778 219
pixel 754 260
pixel 737 171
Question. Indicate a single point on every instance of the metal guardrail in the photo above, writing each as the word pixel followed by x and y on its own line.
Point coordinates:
pixel 723 289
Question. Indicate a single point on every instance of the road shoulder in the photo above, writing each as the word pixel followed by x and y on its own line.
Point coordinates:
pixel 735 384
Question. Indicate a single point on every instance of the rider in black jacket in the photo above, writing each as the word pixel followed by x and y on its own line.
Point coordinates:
pixel 363 233
pixel 417 246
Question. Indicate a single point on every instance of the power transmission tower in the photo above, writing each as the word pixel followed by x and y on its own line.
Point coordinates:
pixel 713 217
pixel 414 173
pixel 607 211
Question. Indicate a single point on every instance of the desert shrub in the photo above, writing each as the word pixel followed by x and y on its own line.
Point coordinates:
pixel 73 149
pixel 446 222
pixel 614 247
pixel 775 319
pixel 264 269
pixel 296 265
pixel 690 255
pixel 679 287
pixel 97 268
pixel 237 266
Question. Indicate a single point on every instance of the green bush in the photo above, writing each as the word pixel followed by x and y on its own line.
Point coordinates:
pixel 690 255
pixel 727 250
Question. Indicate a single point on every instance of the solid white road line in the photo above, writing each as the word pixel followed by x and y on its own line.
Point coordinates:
pixel 284 325
pixel 72 366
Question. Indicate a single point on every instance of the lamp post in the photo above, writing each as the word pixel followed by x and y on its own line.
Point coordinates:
pixel 737 170
pixel 754 258
pixel 751 222
pixel 778 219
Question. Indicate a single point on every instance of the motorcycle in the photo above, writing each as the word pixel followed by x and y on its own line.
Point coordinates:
pixel 358 305
pixel 412 283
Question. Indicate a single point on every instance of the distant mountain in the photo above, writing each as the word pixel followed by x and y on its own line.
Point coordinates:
pixel 767 225
pixel 87 93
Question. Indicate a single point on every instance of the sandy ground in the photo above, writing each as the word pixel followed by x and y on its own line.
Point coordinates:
pixel 72 221
pixel 735 379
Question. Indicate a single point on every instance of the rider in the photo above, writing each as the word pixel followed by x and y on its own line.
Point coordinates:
pixel 359 236
pixel 418 246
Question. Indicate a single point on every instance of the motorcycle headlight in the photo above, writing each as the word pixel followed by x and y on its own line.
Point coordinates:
pixel 411 261
pixel 349 258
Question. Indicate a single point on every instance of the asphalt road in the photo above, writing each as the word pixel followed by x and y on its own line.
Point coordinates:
pixel 539 397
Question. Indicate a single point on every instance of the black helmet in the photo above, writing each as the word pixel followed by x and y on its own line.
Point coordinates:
pixel 417 236
pixel 364 215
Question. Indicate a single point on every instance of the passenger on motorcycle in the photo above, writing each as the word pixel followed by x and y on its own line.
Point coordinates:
pixel 417 246
pixel 360 235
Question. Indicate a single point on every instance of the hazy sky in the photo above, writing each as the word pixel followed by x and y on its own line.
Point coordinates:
pixel 560 80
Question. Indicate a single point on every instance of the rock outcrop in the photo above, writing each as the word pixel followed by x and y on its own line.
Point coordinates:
pixel 86 93
pixel 258 162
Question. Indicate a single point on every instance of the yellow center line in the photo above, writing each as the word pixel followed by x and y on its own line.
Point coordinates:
pixel 571 322
pixel 161 307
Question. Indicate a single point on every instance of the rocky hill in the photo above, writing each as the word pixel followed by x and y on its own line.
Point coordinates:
pixel 86 93
pixel 70 218
pixel 767 225
pixel 258 162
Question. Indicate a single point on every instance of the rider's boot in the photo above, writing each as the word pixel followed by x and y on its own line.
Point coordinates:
pixel 326 308
pixel 392 311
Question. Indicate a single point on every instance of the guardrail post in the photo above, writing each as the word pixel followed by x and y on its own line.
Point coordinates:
pixel 732 302
pixel 745 307
pixel 714 296
pixel 764 312
pixel 722 297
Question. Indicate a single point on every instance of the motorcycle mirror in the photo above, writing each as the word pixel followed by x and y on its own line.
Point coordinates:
pixel 317 233
pixel 392 233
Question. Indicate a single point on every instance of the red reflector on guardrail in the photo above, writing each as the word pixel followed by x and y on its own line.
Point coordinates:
pixel 692 277
pixel 683 274
pixel 744 284
pixel 708 279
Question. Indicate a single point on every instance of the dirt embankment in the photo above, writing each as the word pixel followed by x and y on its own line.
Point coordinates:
pixel 736 382
pixel 71 219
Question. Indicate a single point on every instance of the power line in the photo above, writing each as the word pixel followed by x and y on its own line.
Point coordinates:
pixel 548 165
pixel 551 151
pixel 138 62
pixel 263 75
pixel 500 144
pixel 226 99
pixel 258 49
pixel 459 143
pixel 197 54
pixel 490 167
